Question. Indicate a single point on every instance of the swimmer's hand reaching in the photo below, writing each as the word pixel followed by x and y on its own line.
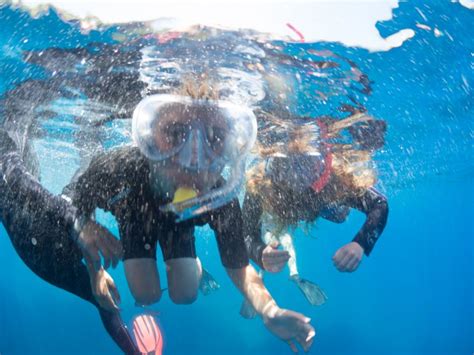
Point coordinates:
pixel 95 240
pixel 104 290
pixel 274 259
pixel 290 326
pixel 348 257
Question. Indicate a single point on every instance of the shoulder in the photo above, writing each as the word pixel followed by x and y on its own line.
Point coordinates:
pixel 122 161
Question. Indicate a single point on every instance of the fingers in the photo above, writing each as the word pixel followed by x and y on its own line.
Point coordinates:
pixel 353 264
pixel 108 302
pixel 274 268
pixel 303 343
pixel 292 346
pixel 275 260
pixel 342 266
pixel 276 254
pixel 105 251
pixel 114 245
pixel 92 257
pixel 348 262
pixel 114 292
pixel 341 259
pixel 305 335
pixel 108 245
pixel 275 244
pixel 105 300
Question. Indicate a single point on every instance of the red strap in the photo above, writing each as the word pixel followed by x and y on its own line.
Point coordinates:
pixel 323 180
pixel 300 35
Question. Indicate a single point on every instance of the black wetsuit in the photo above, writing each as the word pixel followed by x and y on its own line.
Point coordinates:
pixel 39 225
pixel 118 181
pixel 372 203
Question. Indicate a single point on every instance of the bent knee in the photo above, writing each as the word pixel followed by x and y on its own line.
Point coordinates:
pixel 147 298
pixel 184 296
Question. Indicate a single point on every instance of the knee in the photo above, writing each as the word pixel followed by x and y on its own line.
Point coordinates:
pixel 147 297
pixel 185 296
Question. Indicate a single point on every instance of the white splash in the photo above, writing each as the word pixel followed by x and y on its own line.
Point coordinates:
pixel 351 22
pixel 467 3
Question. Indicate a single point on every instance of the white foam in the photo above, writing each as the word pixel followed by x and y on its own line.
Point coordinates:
pixel 350 22
pixel 467 3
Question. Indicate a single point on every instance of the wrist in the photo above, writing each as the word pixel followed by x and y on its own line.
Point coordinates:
pixel 80 223
pixel 357 241
pixel 270 310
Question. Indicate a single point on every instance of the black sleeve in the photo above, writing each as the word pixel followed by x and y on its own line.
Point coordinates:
pixel 20 189
pixel 252 212
pixel 227 224
pixel 105 177
pixel 375 207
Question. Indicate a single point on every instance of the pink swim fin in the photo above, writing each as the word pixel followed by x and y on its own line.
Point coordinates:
pixel 147 335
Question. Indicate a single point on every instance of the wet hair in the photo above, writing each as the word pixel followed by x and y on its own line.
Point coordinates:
pixel 199 87
pixel 352 170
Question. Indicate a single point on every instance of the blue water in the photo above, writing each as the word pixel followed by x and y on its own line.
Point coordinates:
pixel 413 295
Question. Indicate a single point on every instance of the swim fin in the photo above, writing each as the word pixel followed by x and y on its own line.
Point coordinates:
pixel 247 311
pixel 147 335
pixel 313 293
pixel 208 283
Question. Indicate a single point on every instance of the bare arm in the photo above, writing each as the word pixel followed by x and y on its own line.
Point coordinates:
pixel 251 286
pixel 289 326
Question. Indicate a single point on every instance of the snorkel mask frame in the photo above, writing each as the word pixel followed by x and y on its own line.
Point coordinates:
pixel 236 145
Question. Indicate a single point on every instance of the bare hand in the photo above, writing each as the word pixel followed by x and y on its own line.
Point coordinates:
pixel 273 259
pixel 290 327
pixel 104 290
pixel 94 239
pixel 348 258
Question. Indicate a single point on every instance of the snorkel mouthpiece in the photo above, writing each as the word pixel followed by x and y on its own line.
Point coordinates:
pixel 183 194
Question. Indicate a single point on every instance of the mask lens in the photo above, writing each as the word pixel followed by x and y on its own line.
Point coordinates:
pixel 172 129
pixel 215 138
pixel 171 136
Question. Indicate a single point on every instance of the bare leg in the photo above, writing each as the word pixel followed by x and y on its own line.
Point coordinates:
pixel 286 241
pixel 184 276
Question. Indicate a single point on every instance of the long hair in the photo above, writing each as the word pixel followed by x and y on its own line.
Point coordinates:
pixel 352 169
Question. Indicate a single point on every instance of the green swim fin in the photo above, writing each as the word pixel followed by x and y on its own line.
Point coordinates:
pixel 313 293
pixel 208 284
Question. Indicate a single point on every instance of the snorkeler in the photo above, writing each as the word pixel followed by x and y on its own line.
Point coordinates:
pixel 41 228
pixel 308 178
pixel 185 171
